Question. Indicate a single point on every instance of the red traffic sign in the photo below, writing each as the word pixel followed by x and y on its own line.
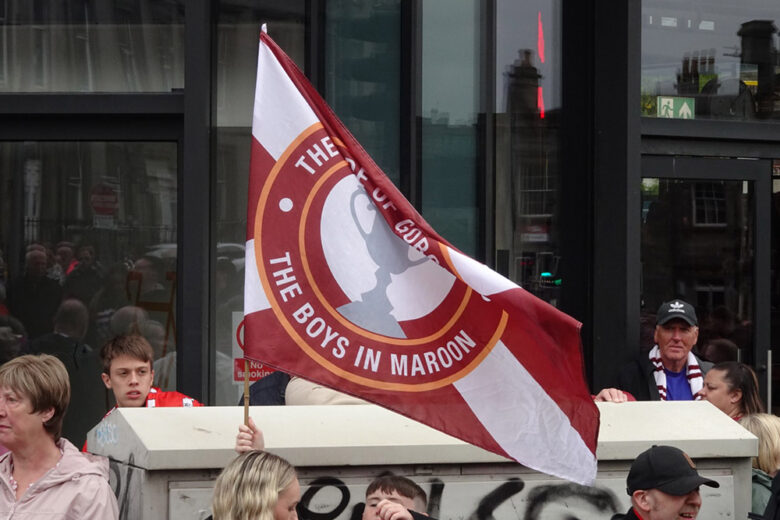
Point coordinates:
pixel 103 199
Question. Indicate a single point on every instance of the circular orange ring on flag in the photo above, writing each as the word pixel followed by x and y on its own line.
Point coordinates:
pixel 301 342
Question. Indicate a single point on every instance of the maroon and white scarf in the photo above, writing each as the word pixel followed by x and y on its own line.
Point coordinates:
pixel 693 373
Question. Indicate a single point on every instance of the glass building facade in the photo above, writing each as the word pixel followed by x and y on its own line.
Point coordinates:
pixel 604 170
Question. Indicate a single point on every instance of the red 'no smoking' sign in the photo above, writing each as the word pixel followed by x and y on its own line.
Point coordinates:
pixel 103 199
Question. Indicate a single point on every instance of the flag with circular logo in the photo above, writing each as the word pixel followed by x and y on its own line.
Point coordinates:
pixel 348 286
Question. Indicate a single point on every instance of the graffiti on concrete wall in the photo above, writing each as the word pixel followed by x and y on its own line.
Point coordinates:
pixel 329 498
pixel 459 495
pixel 126 481
pixel 105 434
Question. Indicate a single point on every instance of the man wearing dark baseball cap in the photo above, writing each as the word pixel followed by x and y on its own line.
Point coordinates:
pixel 676 309
pixel 664 485
pixel 670 371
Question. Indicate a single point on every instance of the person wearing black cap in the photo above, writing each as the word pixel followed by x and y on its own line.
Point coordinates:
pixel 664 485
pixel 670 371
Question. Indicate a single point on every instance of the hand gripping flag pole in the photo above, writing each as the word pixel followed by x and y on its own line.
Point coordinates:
pixel 347 286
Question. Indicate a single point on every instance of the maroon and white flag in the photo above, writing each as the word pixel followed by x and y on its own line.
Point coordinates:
pixel 347 286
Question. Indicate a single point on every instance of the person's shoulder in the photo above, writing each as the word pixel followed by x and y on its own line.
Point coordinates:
pixel 169 399
pixel 625 516
pixel 635 375
pixel 51 284
pixel 758 476
pixel 268 390
pixel 704 365
pixel 79 464
pixel 92 497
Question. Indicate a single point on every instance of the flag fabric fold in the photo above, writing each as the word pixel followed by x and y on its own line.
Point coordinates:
pixel 348 286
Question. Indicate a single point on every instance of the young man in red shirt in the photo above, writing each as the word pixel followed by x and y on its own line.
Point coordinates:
pixel 128 372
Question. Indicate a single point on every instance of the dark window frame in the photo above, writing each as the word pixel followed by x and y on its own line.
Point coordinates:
pixel 89 117
pixel 757 171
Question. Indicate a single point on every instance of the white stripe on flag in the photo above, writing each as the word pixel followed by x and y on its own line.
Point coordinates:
pixel 523 419
pixel 478 276
pixel 281 113
pixel 254 295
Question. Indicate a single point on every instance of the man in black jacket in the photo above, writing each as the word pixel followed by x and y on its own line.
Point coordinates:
pixel 670 371
pixel 88 402
pixel 33 298
pixel 664 485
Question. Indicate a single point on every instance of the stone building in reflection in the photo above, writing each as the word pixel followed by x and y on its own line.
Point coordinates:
pixel 533 180
pixel 698 245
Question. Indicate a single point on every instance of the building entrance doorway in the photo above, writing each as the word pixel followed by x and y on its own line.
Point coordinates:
pixel 706 238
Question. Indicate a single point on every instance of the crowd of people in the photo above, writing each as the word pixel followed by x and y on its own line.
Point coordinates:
pixel 44 473
pixel 65 300
pixel 672 371
pixel 261 485
pixel 53 274
pixel 67 303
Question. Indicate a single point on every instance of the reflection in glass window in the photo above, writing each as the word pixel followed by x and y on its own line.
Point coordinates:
pixel 363 75
pixel 709 204
pixel 237 44
pixel 450 111
pixel 3 55
pixel 697 244
pixel 238 32
pixel 91 46
pixel 87 251
pixel 774 282
pixel 528 114
pixel 708 59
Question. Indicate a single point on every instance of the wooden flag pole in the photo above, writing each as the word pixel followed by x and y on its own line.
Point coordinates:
pixel 246 392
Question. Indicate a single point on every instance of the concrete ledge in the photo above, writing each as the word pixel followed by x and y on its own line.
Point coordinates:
pixel 696 427
pixel 169 438
pixel 164 460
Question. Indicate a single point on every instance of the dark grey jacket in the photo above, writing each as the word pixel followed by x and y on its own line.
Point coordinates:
pixel 628 516
pixel 637 378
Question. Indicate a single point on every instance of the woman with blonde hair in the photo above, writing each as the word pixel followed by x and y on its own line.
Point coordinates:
pixel 257 486
pixel 43 474
pixel 767 428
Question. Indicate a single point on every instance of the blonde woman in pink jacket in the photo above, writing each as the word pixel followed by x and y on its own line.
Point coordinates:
pixel 44 475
